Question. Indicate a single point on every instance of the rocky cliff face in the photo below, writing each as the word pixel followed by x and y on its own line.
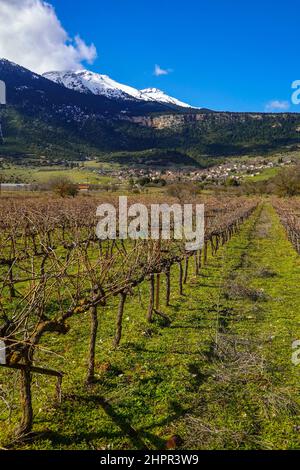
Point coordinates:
pixel 169 121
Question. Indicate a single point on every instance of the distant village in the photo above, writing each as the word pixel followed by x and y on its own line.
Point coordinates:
pixel 235 171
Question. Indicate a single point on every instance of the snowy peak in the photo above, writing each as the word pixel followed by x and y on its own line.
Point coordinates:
pixel 85 81
pixel 89 82
pixel 154 94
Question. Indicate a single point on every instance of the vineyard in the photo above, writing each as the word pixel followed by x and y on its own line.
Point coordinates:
pixel 289 214
pixel 89 324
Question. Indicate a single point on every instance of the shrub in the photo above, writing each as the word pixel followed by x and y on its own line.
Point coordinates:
pixel 287 182
pixel 64 187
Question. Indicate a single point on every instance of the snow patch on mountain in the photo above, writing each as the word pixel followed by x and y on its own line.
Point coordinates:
pixel 154 94
pixel 85 81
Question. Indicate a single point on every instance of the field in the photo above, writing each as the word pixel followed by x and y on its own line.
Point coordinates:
pixel 192 350
pixel 264 175
pixel 40 175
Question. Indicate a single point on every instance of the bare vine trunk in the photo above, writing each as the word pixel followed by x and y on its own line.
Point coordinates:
pixel 91 363
pixel 180 279
pixel 200 259
pixel 196 263
pixel 157 300
pixel 11 282
pixel 152 299
pixel 205 253
pixel 118 335
pixel 168 286
pixel 186 270
pixel 26 403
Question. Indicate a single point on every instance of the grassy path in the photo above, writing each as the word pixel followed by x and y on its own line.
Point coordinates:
pixel 251 397
pixel 220 376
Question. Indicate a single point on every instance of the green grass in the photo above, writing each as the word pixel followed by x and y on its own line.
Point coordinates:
pixel 264 175
pixel 172 380
pixel 44 174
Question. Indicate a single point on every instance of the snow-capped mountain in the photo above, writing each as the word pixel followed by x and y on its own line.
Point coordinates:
pixel 71 99
pixel 154 94
pixel 88 82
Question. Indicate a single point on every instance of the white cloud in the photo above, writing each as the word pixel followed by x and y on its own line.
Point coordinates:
pixel 158 71
pixel 31 35
pixel 277 105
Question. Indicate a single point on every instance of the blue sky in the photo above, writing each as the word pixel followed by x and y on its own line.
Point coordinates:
pixel 230 55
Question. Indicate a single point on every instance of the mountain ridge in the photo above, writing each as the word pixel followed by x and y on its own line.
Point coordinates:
pixel 47 120
pixel 21 81
pixel 87 82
